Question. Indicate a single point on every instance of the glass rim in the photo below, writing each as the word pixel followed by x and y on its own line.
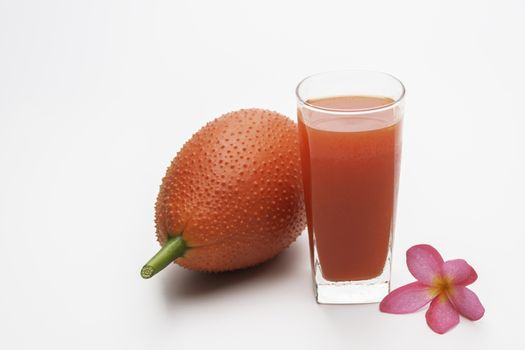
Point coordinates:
pixel 314 107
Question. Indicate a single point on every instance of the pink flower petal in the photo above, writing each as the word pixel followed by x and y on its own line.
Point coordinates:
pixel 467 303
pixel 406 299
pixel 424 263
pixel 441 315
pixel 459 271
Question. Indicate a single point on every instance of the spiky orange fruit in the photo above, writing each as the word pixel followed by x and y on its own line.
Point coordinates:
pixel 232 197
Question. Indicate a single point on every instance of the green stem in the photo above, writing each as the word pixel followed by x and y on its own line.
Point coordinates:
pixel 175 247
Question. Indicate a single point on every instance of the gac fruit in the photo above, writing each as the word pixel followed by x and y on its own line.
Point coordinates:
pixel 232 197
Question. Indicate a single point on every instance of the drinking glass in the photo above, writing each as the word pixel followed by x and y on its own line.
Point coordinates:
pixel 350 141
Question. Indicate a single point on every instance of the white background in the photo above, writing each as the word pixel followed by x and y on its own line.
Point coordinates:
pixel 96 98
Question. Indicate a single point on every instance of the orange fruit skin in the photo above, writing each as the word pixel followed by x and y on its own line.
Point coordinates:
pixel 234 192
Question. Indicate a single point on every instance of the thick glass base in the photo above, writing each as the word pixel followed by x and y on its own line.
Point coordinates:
pixel 350 292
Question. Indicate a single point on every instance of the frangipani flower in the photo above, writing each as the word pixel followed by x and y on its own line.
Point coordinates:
pixel 442 284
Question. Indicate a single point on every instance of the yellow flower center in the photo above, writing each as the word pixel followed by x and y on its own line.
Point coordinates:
pixel 442 285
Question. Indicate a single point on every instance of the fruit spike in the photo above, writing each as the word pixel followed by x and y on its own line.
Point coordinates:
pixel 175 247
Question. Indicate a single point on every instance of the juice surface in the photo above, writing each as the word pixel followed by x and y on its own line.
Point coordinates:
pixel 350 168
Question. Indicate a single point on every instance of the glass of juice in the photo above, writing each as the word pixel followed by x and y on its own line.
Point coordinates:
pixel 350 140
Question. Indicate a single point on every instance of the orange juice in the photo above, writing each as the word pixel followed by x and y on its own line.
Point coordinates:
pixel 350 169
